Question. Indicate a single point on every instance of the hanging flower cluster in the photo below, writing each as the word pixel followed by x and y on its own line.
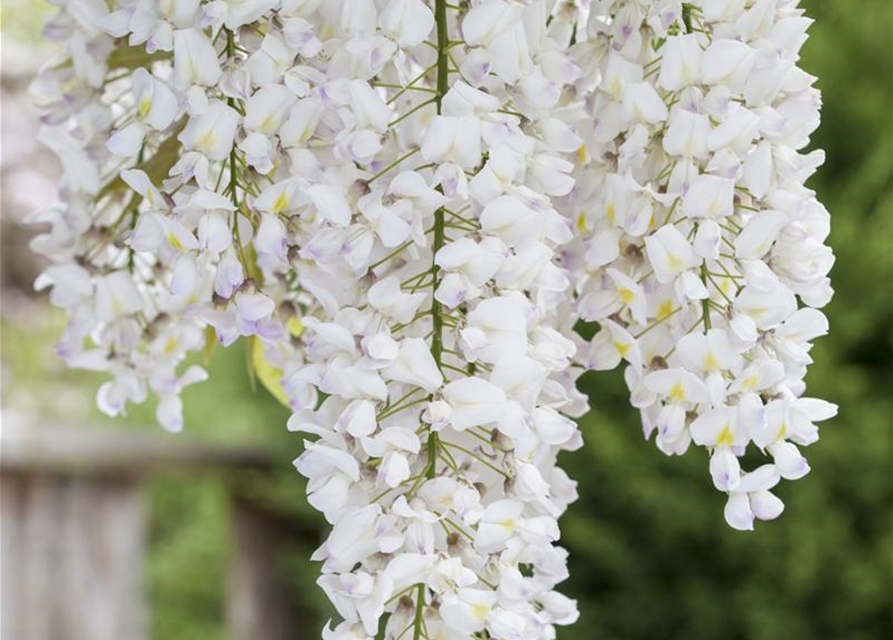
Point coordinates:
pixel 405 206
pixel 700 234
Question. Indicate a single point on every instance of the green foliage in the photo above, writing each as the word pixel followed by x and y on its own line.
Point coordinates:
pixel 189 517
pixel 650 554
pixel 186 570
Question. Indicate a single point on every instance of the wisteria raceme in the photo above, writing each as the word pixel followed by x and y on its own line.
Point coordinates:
pixel 703 258
pixel 406 206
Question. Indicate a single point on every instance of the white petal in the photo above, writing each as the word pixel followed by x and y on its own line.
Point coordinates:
pixel 765 505
pixel 738 512
pixel 195 60
pixel 669 253
pixel 407 21
pixel 474 402
pixel 126 142
pixel 415 365
pixel 330 203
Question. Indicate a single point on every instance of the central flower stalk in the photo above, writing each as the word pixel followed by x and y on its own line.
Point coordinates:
pixel 443 70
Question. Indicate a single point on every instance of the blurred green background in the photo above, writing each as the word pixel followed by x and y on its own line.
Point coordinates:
pixel 651 556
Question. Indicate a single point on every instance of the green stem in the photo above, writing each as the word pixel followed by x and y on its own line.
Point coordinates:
pixel 657 322
pixel 705 304
pixel 410 84
pixel 420 604
pixel 480 459
pixel 443 48
pixel 398 409
pixel 235 200
pixel 408 154
pixel 388 85
pixel 405 115
pixel 233 173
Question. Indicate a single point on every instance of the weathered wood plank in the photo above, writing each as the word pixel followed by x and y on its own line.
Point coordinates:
pixel 72 537
pixel 115 452
pixel 72 559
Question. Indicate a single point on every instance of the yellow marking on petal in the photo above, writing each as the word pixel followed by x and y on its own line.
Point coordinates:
pixel 508 523
pixel 626 295
pixel 622 348
pixel 206 140
pixel 725 285
pixel 170 346
pixel 168 7
pixel 480 611
pixel 268 126
pixel 281 203
pixel 749 383
pixel 725 438
pixel 505 179
pixel 666 308
pixel 145 107
pixel 583 155
pixel 675 262
pixel 174 241
pixel 710 362
pixel 190 70
pixel 582 224
pixel 677 392
pixel 295 326
pixel 782 431
pixel 117 305
pixel 611 212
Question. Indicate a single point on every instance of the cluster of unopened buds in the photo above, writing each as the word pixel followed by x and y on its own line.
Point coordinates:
pixel 407 207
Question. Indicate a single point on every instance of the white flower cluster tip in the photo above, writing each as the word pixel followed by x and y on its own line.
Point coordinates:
pixel 406 206
pixel 699 235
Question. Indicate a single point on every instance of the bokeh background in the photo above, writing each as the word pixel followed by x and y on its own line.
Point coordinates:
pixel 650 554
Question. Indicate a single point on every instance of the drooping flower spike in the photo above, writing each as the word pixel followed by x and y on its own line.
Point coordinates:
pixel 702 254
pixel 405 207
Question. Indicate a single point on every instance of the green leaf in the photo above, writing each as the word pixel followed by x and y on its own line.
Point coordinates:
pixel 269 375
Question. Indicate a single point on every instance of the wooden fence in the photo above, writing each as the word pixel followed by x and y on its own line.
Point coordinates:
pixel 73 536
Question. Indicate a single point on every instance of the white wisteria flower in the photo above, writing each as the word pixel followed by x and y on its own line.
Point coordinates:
pixel 690 197
pixel 405 208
